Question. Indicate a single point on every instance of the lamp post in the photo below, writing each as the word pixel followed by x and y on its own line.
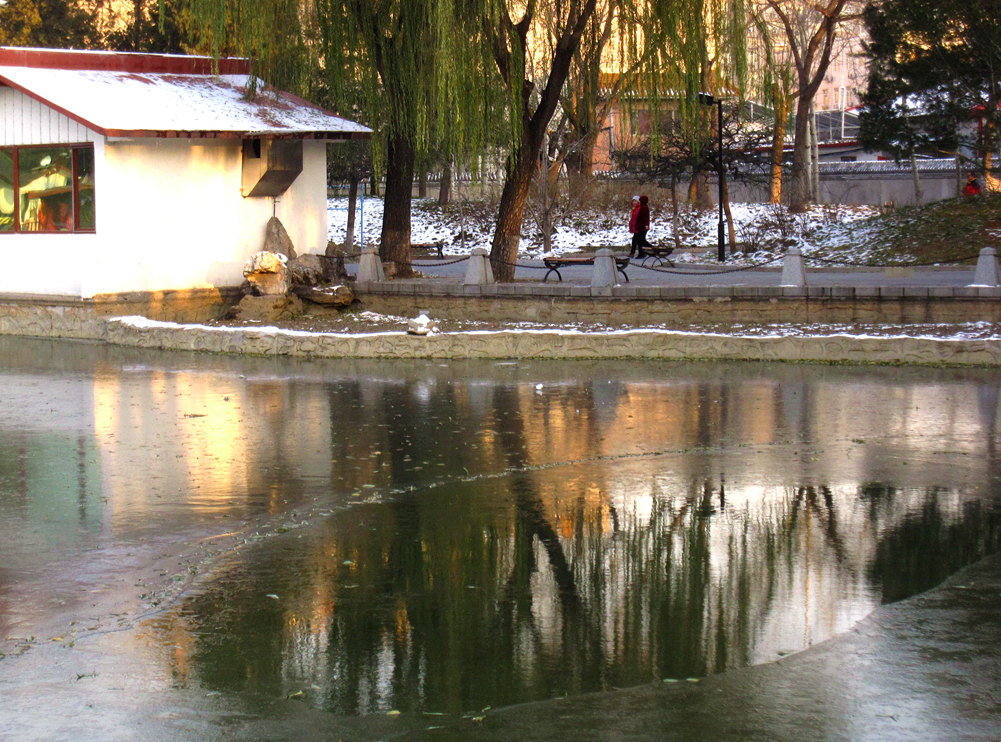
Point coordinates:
pixel 710 100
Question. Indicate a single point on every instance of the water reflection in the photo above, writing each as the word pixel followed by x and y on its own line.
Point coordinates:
pixel 449 536
pixel 429 602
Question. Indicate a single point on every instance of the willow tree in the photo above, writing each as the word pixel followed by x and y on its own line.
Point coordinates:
pixel 774 80
pixel 685 48
pixel 589 94
pixel 406 68
pixel 611 51
pixel 534 43
pixel 513 30
pixel 810 30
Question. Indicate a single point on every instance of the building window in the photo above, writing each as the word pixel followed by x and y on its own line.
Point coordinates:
pixel 47 189
pixel 640 123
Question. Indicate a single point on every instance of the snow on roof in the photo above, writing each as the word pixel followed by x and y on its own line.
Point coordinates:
pixel 157 95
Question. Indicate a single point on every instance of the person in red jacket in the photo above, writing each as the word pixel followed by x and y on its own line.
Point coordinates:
pixel 632 224
pixel 972 187
pixel 642 224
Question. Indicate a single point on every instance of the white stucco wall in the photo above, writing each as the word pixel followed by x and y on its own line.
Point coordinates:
pixel 170 215
pixel 169 212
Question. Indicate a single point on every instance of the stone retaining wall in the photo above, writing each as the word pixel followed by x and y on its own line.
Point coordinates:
pixel 697 305
pixel 69 318
pixel 649 344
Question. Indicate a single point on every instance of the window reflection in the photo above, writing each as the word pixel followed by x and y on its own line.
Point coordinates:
pixel 45 177
pixel 6 190
pixel 85 187
pixel 47 189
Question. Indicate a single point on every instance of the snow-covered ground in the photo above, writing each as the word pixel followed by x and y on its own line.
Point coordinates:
pixel 763 231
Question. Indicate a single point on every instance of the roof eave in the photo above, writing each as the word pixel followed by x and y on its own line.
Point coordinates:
pixel 48 103
pixel 213 134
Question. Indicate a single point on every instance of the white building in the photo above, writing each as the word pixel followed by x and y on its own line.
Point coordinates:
pixel 144 172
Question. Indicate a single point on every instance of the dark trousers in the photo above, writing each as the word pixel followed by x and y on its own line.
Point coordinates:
pixel 638 243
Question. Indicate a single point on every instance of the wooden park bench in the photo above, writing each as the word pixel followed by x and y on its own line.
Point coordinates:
pixel 657 254
pixel 554 264
pixel 429 246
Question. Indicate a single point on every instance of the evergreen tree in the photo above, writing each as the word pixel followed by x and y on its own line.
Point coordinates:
pixel 935 78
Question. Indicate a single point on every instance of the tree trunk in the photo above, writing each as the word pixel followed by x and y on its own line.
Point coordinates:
pixel 798 174
pixel 674 211
pixel 579 163
pixel 729 216
pixel 547 205
pixel 507 236
pixel 778 150
pixel 445 184
pixel 918 193
pixel 991 182
pixel 396 210
pixel 422 184
pixel 699 191
pixel 814 157
pixel 349 238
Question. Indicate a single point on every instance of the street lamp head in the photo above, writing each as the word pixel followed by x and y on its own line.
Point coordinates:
pixel 708 100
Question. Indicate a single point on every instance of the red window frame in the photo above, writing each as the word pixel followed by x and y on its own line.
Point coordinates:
pixel 75 150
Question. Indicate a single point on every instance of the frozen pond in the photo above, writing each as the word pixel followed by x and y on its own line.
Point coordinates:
pixel 358 537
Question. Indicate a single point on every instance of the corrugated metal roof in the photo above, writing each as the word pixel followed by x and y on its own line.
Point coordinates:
pixel 134 95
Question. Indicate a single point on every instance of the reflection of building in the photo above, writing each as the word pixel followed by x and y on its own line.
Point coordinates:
pixel 143 172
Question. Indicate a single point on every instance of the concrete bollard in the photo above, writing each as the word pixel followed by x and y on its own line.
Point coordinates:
pixel 987 269
pixel 793 272
pixel 604 269
pixel 370 266
pixel 478 272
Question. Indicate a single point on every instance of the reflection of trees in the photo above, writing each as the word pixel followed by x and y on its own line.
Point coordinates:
pixel 476 592
pixel 439 612
pixel 929 544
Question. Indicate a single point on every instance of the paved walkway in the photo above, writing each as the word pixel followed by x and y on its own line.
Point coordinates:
pixel 715 274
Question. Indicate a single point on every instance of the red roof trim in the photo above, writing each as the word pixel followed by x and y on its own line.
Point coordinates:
pixel 71 59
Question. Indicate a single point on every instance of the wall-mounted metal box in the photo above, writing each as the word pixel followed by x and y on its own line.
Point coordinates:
pixel 270 165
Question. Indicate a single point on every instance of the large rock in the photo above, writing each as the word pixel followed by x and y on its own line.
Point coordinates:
pixel 276 239
pixel 266 274
pixel 329 296
pixel 305 270
pixel 313 270
pixel 267 308
pixel 333 264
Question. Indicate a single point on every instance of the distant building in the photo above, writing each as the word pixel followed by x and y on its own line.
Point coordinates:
pixel 141 172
